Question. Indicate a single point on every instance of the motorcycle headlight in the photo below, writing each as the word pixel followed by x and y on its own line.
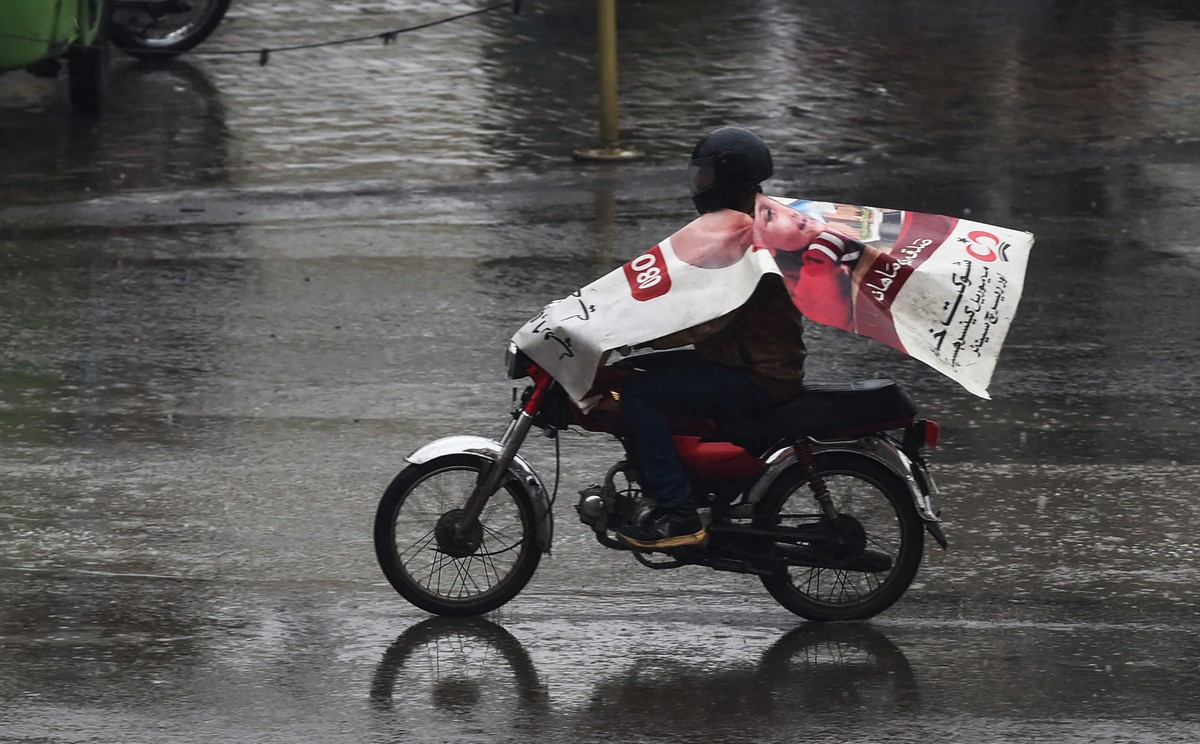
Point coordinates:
pixel 516 364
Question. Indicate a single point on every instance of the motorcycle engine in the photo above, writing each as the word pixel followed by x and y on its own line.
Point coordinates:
pixel 607 507
pixel 593 511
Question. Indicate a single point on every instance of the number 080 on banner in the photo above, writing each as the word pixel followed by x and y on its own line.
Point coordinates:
pixel 647 275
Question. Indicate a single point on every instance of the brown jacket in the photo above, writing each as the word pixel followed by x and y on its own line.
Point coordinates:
pixel 765 336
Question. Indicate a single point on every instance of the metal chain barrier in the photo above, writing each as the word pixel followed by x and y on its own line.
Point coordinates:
pixel 387 37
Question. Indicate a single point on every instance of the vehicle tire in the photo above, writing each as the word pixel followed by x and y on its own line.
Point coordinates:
pixel 424 561
pixel 141 34
pixel 87 64
pixel 880 501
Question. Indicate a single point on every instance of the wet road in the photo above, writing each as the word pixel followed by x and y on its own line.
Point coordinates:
pixel 232 305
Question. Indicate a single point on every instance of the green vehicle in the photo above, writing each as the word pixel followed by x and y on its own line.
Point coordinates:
pixel 38 35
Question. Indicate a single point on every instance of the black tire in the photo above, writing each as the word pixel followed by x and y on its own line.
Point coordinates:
pixel 879 500
pixel 449 579
pixel 87 64
pixel 141 35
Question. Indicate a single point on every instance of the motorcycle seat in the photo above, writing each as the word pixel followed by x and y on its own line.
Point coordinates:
pixel 826 410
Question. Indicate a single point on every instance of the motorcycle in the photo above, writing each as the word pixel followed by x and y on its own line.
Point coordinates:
pixel 826 498
pixel 161 29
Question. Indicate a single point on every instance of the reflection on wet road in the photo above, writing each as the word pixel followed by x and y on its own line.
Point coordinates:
pixel 230 306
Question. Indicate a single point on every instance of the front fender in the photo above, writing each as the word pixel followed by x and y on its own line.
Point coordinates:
pixel 873 448
pixel 519 469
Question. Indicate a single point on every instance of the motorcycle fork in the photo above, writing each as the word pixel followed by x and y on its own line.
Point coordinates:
pixel 804 455
pixel 510 443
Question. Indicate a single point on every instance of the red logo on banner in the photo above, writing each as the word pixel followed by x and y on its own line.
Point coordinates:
pixel 647 275
pixel 983 245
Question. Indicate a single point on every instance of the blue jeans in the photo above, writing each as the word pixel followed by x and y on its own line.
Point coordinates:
pixel 695 389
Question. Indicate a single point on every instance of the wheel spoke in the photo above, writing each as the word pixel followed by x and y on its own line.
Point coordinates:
pixel 464 574
pixel 435 571
pixel 418 544
pixel 501 538
pixel 881 544
pixel 488 560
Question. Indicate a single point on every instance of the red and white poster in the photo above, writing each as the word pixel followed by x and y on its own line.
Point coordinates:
pixel 940 289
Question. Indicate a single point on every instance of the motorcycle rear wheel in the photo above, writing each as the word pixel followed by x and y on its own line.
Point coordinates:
pixel 879 500
pixel 160 29
pixel 434 568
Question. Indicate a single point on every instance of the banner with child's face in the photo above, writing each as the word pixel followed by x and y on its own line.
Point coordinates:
pixel 940 289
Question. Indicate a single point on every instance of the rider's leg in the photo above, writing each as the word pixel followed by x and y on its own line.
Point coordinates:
pixel 647 401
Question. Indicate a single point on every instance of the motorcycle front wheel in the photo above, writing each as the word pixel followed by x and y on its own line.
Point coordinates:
pixel 892 539
pixel 443 569
pixel 161 29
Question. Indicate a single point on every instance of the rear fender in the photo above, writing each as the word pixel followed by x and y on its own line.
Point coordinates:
pixel 519 470
pixel 872 448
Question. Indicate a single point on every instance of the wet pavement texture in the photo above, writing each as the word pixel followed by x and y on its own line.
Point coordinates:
pixel 230 306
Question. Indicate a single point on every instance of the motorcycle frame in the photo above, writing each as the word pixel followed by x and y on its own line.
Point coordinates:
pixel 505 461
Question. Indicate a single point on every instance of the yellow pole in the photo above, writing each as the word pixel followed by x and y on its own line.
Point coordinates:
pixel 610 133
pixel 606 39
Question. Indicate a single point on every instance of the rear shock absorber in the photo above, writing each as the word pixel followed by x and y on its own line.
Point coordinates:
pixel 804 456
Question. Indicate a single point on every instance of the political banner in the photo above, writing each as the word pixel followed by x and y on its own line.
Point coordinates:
pixel 940 289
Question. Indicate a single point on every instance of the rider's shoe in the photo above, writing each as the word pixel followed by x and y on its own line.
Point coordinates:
pixel 675 527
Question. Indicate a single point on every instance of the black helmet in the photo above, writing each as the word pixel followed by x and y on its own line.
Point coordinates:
pixel 726 164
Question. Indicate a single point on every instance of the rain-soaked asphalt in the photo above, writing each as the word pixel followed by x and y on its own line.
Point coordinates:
pixel 230 306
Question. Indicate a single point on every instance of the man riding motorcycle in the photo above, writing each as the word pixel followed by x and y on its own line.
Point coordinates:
pixel 819 489
pixel 746 362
